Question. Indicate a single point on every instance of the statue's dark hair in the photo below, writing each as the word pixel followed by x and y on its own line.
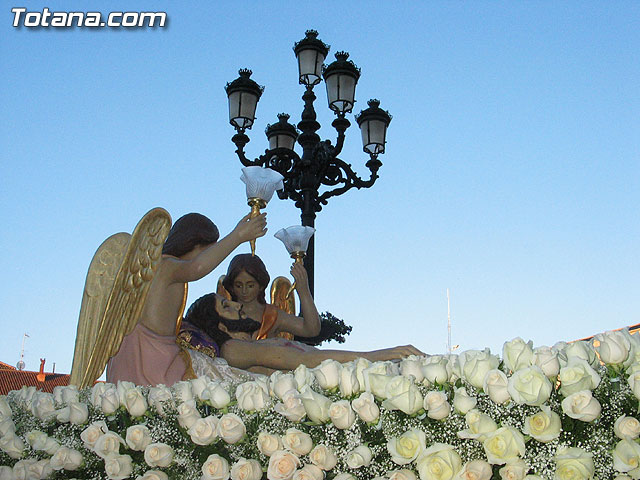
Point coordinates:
pixel 203 314
pixel 189 231
pixel 254 267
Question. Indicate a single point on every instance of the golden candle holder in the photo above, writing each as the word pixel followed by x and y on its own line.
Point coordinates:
pixel 297 256
pixel 256 204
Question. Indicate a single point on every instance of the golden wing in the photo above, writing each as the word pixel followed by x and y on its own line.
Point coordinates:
pixel 220 290
pixel 279 288
pixel 127 296
pixel 100 277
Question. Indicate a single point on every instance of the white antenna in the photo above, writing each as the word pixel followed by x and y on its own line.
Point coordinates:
pixel 20 365
pixel 448 324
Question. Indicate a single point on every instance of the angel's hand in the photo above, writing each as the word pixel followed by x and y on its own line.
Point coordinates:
pixel 394 353
pixel 300 275
pixel 250 228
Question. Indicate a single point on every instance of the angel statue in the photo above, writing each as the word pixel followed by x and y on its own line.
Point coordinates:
pixel 135 294
pixel 238 325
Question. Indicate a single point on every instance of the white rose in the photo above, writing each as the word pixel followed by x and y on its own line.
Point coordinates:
pixel 613 347
pixel 231 428
pixel 544 426
pixel 402 394
pixel 133 400
pixel 366 408
pixel 108 444
pixel 182 391
pixel 204 430
pixel 39 469
pixel 158 455
pixel 281 383
pixel 462 401
pixel 453 367
pixel 215 468
pixel 341 414
pixel 37 439
pixel 316 405
pixel 123 387
pixel 5 409
pixel 76 413
pixel 153 475
pixel 158 397
pixel 529 386
pixel 375 378
pixel 328 374
pixel 92 433
pixel 323 457
pixel 67 459
pixel 439 462
pixel 96 392
pixel 349 384
pixel 138 437
pixel 297 442
pixel 405 448
pixel 480 425
pixel 581 349
pixel 626 457
pixel 577 375
pixel 291 406
pixel 245 469
pixel 360 365
pixel 268 443
pixel 251 396
pixel 188 414
pixel 547 359
pixel 43 406
pixel 581 406
pixel 504 445
pixel 198 385
pixel 109 401
pixel 359 457
pixel 517 354
pixel 282 465
pixel 496 385
pixel 25 395
pixel 12 445
pixel 634 383
pixel 617 477
pixel 7 426
pixel 216 395
pixel 574 464
pixel 303 376
pixel 475 364
pixel 515 470
pixel 345 476
pixel 6 473
pixel 436 405
pixel 475 470
pixel 435 370
pixel 308 472
pixel 65 394
pixel 626 428
pixel 411 366
pixel 401 474
pixel 21 469
pixel 118 467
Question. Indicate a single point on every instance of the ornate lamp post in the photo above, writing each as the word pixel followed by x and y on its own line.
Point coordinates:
pixel 319 164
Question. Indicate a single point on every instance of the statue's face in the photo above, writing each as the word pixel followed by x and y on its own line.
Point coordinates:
pixel 246 288
pixel 228 309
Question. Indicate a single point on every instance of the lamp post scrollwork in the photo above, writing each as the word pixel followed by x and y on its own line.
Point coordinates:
pixel 319 164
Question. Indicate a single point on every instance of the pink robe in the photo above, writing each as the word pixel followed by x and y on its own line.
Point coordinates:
pixel 146 358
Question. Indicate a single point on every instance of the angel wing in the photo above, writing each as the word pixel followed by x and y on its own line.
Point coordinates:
pixel 111 305
pixel 220 290
pixel 279 288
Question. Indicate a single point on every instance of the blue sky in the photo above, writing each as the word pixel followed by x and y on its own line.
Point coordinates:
pixel 511 175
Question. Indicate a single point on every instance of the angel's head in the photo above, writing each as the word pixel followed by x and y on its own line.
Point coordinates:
pixel 188 232
pixel 247 279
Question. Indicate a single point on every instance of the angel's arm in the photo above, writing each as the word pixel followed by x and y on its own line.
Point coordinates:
pixel 310 324
pixel 182 271
pixel 246 354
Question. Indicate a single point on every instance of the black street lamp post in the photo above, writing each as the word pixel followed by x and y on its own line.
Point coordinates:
pixel 319 163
